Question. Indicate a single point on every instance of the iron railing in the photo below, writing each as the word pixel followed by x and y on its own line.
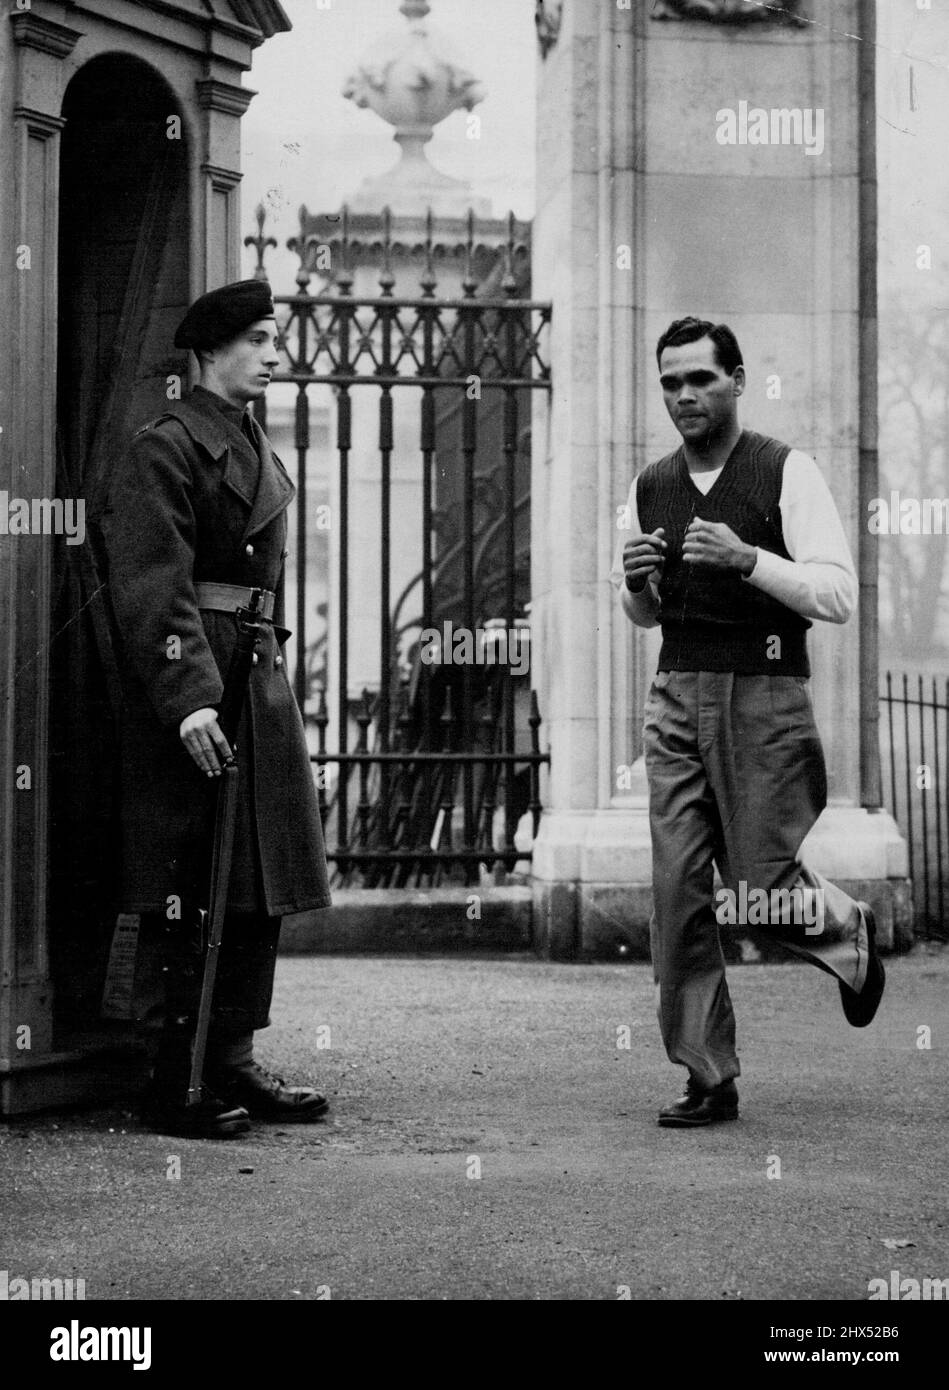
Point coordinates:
pixel 915 732
pixel 430 762
pixel 410 832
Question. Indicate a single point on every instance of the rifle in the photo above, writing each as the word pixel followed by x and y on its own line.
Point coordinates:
pixel 232 703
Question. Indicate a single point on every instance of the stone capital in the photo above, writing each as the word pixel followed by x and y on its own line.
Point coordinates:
pixel 32 31
pixel 40 123
pixel 222 178
pixel 215 95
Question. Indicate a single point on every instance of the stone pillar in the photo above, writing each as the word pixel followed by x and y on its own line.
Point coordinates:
pixel 29 234
pixel 222 104
pixel 644 215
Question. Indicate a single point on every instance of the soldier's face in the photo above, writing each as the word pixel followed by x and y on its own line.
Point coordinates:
pixel 243 367
pixel 700 396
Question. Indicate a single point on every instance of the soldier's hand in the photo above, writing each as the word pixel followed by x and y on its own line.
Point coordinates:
pixel 642 557
pixel 715 544
pixel 201 734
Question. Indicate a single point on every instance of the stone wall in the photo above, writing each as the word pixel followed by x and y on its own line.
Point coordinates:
pixel 646 213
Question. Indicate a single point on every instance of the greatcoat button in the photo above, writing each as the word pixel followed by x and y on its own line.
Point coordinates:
pixel 285 554
pixel 249 551
pixel 278 662
pixel 256 658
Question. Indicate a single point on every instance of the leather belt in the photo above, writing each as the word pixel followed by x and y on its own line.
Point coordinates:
pixel 227 598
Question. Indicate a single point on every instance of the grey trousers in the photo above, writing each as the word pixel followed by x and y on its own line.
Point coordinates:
pixel 736 777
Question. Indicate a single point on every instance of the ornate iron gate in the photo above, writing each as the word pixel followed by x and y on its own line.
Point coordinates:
pixel 441 712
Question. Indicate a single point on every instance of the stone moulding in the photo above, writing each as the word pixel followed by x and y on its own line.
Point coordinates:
pixel 214 95
pixel 268 16
pixel 32 31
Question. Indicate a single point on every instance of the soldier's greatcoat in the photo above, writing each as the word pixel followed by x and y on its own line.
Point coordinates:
pixel 192 501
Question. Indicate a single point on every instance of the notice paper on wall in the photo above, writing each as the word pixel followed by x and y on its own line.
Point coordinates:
pixel 120 977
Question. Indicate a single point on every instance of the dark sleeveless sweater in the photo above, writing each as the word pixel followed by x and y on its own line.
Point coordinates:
pixel 714 620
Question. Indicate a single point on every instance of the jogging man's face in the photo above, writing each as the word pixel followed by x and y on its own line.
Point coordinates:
pixel 700 396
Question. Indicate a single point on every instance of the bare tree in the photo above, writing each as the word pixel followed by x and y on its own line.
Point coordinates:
pixel 914 428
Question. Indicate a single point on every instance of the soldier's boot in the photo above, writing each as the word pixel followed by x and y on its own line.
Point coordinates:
pixel 238 1079
pixel 165 1105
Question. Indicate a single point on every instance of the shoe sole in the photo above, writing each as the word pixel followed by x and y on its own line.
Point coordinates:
pixel 847 996
pixel 230 1131
pixel 876 995
pixel 294 1118
pixel 195 1126
pixel 680 1122
pixel 297 1114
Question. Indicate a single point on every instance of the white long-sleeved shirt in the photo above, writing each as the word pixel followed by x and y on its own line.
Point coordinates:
pixel 819 581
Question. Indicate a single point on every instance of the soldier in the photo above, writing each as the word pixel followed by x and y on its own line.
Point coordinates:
pixel 196 517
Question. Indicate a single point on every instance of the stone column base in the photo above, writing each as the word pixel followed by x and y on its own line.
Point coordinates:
pixel 92 1071
pixel 592 882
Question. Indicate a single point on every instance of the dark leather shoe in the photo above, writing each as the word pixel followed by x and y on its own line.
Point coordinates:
pixel 267 1097
pixel 859 1009
pixel 702 1107
pixel 167 1112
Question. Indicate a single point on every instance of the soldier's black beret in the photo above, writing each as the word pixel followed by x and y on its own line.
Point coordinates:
pixel 219 316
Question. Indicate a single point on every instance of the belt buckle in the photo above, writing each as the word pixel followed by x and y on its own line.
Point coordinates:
pixel 261 615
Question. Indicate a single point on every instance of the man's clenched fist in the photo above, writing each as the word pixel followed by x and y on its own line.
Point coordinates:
pixel 642 557
pixel 715 544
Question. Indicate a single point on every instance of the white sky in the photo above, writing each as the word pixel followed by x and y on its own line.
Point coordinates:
pixel 304 143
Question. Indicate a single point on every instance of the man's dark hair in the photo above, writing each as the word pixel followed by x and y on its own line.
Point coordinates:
pixel 690 330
